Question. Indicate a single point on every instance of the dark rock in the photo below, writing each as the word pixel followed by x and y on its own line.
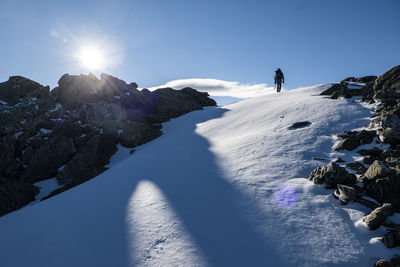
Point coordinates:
pixel 357 166
pixel 332 174
pixel 369 159
pixel 366 137
pixel 391 239
pixel 173 103
pixel 15 194
pixel 390 136
pixel 18 87
pixel 377 170
pixel 375 219
pixel 89 161
pixel 345 193
pixel 332 89
pixel 350 143
pixel 383 263
pixel 340 160
pixel 48 158
pixel 300 124
pixel 137 133
pixel 392 162
pixel 390 80
pixel 349 79
pixel 370 152
pixel 385 120
pixel 366 79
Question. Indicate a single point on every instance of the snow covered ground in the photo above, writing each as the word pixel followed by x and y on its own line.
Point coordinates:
pixel 225 186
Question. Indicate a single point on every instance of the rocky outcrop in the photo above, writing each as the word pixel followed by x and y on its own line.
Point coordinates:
pixel 375 219
pixel 390 80
pixel 352 139
pixel 351 86
pixel 15 194
pixel 331 175
pixel 72 131
pixel 17 87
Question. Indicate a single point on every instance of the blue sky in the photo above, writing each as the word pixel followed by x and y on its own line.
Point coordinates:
pixel 153 42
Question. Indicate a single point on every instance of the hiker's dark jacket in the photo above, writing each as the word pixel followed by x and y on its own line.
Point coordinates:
pixel 279 77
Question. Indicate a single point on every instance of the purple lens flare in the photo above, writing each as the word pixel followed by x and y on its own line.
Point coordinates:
pixel 286 196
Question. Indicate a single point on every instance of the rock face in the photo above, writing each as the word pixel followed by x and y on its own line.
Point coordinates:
pixel 375 219
pixel 15 194
pixel 72 131
pixel 332 174
pixel 390 80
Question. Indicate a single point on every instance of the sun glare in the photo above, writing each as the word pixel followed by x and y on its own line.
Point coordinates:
pixel 92 57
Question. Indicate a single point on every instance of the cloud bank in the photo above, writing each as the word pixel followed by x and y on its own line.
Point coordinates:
pixel 221 88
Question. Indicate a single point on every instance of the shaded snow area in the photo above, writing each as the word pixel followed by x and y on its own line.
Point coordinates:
pixel 225 186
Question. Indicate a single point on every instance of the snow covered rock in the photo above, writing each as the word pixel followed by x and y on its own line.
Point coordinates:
pixel 375 219
pixel 332 174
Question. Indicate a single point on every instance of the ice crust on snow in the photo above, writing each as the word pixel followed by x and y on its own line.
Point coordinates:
pixel 225 186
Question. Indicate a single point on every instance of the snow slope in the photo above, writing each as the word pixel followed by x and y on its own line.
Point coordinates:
pixel 225 186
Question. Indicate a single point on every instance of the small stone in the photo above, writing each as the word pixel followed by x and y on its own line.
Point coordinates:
pixel 300 124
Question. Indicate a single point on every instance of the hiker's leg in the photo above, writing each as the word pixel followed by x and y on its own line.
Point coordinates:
pixel 278 87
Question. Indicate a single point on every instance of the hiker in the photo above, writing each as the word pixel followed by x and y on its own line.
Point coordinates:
pixel 279 79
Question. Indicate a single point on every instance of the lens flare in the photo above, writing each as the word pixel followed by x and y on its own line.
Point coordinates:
pixel 286 196
pixel 92 57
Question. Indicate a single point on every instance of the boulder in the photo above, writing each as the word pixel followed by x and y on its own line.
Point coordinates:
pixel 390 136
pixel 375 219
pixel 346 193
pixel 370 152
pixel 350 143
pixel 366 137
pixel 391 239
pixel 357 166
pixel 377 170
pixel 332 174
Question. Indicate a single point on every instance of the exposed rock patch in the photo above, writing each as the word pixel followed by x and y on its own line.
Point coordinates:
pixel 332 174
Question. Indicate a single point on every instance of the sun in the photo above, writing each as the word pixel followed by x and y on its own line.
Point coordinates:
pixel 92 57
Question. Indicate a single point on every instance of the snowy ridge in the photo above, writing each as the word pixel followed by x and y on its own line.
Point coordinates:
pixel 222 187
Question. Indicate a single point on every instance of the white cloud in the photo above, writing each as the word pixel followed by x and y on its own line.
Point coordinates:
pixel 221 88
